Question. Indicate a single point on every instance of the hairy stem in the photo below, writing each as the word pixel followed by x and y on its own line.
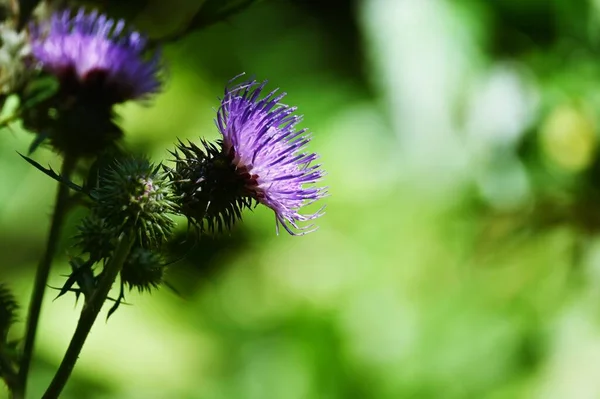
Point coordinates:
pixel 89 313
pixel 41 278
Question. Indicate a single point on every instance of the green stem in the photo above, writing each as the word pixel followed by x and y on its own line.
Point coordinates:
pixel 41 278
pixel 89 313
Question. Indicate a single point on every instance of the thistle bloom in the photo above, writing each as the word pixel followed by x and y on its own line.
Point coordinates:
pixel 89 52
pixel 261 142
pixel 260 159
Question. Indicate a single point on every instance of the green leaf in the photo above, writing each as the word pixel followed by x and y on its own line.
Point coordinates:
pixel 39 90
pixel 120 9
pixel 37 141
pixel 215 11
pixel 49 172
pixel 212 11
pixel 82 275
pixel 120 300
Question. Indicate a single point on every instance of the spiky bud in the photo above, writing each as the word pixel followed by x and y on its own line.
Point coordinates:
pixel 135 196
pixel 212 195
pixel 8 311
pixel 95 237
pixel 144 270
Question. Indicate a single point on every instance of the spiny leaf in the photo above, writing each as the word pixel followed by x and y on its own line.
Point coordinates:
pixel 39 90
pixel 120 300
pixel 49 172
pixel 82 275
pixel 37 141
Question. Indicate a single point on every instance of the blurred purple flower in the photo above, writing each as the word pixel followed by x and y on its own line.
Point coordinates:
pixel 89 52
pixel 262 143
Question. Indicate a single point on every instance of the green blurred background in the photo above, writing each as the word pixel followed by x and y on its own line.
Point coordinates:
pixel 459 256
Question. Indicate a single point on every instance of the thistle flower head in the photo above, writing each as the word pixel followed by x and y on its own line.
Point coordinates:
pixel 95 56
pixel 262 144
pixel 135 196
pixel 260 159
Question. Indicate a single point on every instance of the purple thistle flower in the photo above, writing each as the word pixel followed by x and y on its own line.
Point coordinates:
pixel 261 141
pixel 92 52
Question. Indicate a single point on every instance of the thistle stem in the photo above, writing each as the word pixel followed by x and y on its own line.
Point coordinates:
pixel 41 278
pixel 89 313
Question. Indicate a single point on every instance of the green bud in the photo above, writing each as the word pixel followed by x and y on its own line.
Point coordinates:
pixel 8 311
pixel 144 270
pixel 135 196
pixel 95 237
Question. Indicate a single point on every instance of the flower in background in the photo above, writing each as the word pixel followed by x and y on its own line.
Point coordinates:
pixel 89 64
pixel 260 159
pixel 91 54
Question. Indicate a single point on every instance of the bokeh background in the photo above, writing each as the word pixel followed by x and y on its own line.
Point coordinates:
pixel 459 256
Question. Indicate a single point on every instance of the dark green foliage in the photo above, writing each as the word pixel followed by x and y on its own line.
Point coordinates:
pixel 52 174
pixel 214 11
pixel 77 122
pixel 83 275
pixel 38 90
pixel 211 12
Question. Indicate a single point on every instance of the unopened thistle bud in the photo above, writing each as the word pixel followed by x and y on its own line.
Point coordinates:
pixel 260 159
pixel 95 237
pixel 135 196
pixel 143 270
pixel 8 350
pixel 8 311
